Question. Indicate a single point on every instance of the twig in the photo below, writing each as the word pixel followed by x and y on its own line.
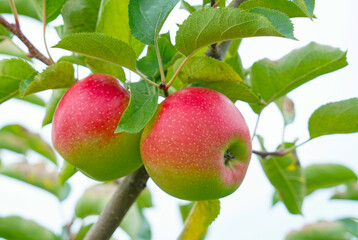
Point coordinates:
pixel 280 152
pixel 127 192
pixel 160 63
pixel 33 52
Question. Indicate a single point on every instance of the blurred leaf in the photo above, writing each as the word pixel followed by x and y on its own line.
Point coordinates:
pixel 146 19
pixel 290 8
pixel 33 140
pixel 327 175
pixel 52 104
pixel 142 105
pixel 58 75
pixel 101 47
pixel 185 210
pixel 96 198
pixel 113 21
pixel 16 228
pixel 144 200
pixel 37 175
pixel 13 143
pixel 273 79
pixel 53 8
pixel 23 7
pixel 80 16
pixel 206 69
pixel 287 108
pixel 201 216
pixel 337 117
pixel 350 192
pixel 212 25
pixel 351 225
pixel 12 72
pixel 98 66
pixel 233 48
pixel 235 91
pixel 149 64
pixel 66 172
pixel 33 99
pixel 80 235
pixel 286 175
pixel 8 47
pixel 320 231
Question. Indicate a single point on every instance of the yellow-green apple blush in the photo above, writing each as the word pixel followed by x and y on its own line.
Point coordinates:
pixel 197 146
pixel 83 129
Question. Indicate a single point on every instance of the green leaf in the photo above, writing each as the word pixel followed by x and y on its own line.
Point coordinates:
pixel 350 193
pixel 52 104
pixel 53 8
pixel 327 175
pixel 37 175
pixel 321 231
pixel 75 59
pixel 12 72
pixel 58 75
pixel 101 47
pixel 33 140
pixel 290 8
pixel 351 225
pixel 144 200
pixel 235 63
pixel 286 175
pixel 149 64
pixel 146 18
pixel 142 106
pixel 201 216
pixel 66 172
pixel 212 25
pixel 273 79
pixel 185 5
pixel 13 227
pixel 80 16
pixel 113 21
pixel 332 118
pixel 287 108
pixel 279 20
pixel 33 99
pixel 80 235
pixel 185 210
pixel 206 69
pixel 98 66
pixel 235 91
pixel 306 6
pixel 8 47
pixel 23 7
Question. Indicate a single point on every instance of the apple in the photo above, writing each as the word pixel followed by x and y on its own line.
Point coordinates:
pixel 83 129
pixel 197 146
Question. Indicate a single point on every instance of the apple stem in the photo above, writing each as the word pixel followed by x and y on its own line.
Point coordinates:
pixel 33 51
pixel 14 12
pixel 110 218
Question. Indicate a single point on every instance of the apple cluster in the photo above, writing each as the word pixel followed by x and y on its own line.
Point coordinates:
pixel 197 145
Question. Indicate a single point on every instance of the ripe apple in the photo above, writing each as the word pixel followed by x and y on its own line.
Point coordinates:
pixel 84 124
pixel 197 146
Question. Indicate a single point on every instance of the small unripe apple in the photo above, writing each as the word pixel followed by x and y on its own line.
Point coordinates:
pixel 84 124
pixel 197 146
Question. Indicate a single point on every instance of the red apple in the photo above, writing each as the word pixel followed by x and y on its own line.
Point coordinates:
pixel 197 146
pixel 84 124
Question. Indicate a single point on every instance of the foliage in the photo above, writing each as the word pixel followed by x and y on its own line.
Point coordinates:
pixel 105 36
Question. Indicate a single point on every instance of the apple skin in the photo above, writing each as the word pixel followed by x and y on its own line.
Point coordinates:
pixel 84 124
pixel 185 145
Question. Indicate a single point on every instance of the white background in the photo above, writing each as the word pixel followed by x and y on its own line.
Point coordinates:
pixel 247 214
